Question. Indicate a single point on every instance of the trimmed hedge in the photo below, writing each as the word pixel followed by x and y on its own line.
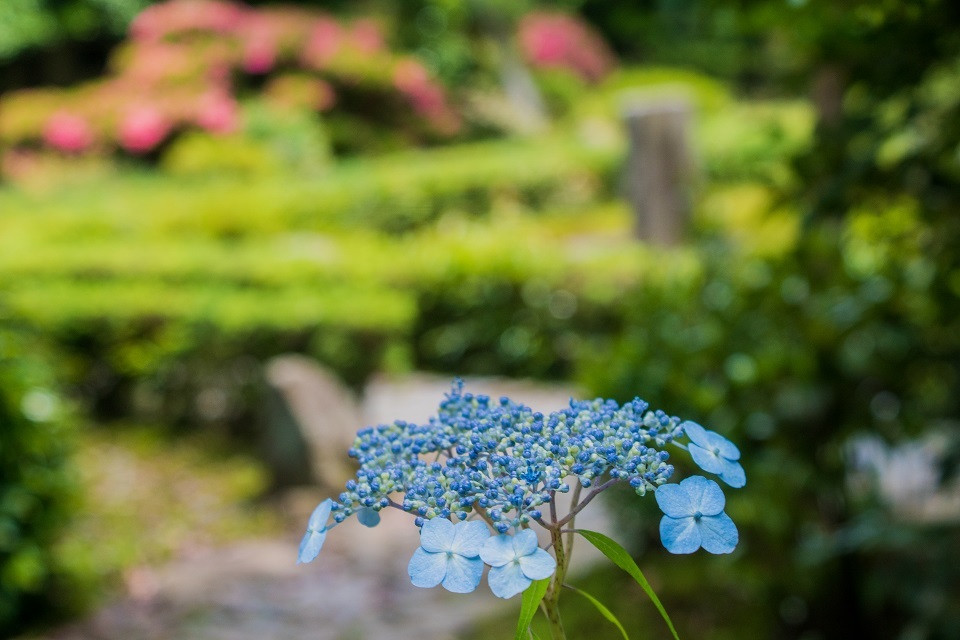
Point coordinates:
pixel 433 259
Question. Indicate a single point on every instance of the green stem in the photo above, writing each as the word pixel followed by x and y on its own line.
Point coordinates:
pixel 551 601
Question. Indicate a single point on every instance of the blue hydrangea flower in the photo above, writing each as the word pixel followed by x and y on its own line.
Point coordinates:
pixel 449 554
pixel 316 532
pixel 516 561
pixel 694 517
pixel 715 454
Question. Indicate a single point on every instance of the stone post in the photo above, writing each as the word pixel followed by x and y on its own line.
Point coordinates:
pixel 660 170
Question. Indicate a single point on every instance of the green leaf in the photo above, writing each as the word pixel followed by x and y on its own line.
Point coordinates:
pixel 606 613
pixel 531 600
pixel 622 559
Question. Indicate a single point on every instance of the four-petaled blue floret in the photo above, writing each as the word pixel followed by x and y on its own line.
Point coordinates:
pixel 449 554
pixel 503 462
pixel 715 454
pixel 694 517
pixel 515 561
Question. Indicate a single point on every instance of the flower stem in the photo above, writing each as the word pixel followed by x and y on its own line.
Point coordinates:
pixel 551 600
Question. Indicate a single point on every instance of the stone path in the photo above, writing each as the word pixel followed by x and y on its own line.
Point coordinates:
pixel 358 588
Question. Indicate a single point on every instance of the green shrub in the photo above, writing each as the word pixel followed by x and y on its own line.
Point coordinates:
pixel 849 333
pixel 37 488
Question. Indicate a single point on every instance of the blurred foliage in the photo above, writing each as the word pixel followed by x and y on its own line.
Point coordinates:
pixel 31 24
pixel 422 259
pixel 185 64
pixel 848 333
pixel 794 355
pixel 38 492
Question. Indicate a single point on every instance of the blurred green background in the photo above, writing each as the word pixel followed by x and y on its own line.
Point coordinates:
pixel 190 188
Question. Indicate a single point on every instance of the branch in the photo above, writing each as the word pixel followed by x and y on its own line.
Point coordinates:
pixel 590 496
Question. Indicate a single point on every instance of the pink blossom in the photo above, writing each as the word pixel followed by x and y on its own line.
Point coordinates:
pixel 427 97
pixel 259 40
pixel 324 43
pixel 553 40
pixel 259 55
pixel 218 113
pixel 409 76
pixel 142 129
pixel 68 132
pixel 366 37
pixel 178 16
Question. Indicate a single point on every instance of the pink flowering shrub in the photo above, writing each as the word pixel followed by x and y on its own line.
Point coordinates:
pixel 187 63
pixel 179 16
pixel 561 41
pixel 413 80
pixel 68 132
pixel 218 112
pixel 142 129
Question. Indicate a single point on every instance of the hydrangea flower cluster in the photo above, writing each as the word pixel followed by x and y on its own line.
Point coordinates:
pixel 480 473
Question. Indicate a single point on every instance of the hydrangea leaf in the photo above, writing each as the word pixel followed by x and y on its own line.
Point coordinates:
pixel 528 607
pixel 622 559
pixel 606 613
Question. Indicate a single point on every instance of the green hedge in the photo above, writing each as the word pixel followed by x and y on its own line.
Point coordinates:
pixel 394 194
pixel 489 257
pixel 154 321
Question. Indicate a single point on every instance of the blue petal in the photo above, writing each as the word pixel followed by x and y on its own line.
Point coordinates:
pixel 320 515
pixel 498 550
pixel 706 459
pixel 468 538
pixel 711 440
pixel 525 543
pixel 463 574
pixel 508 580
pixel 724 447
pixel 427 569
pixel 674 501
pixel 310 545
pixel 436 535
pixel 368 517
pixel 679 535
pixel 733 474
pixel 719 533
pixel 705 496
pixel 538 565
pixel 695 432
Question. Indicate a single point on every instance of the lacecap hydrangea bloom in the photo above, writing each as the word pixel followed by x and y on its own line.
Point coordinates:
pixel 478 476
